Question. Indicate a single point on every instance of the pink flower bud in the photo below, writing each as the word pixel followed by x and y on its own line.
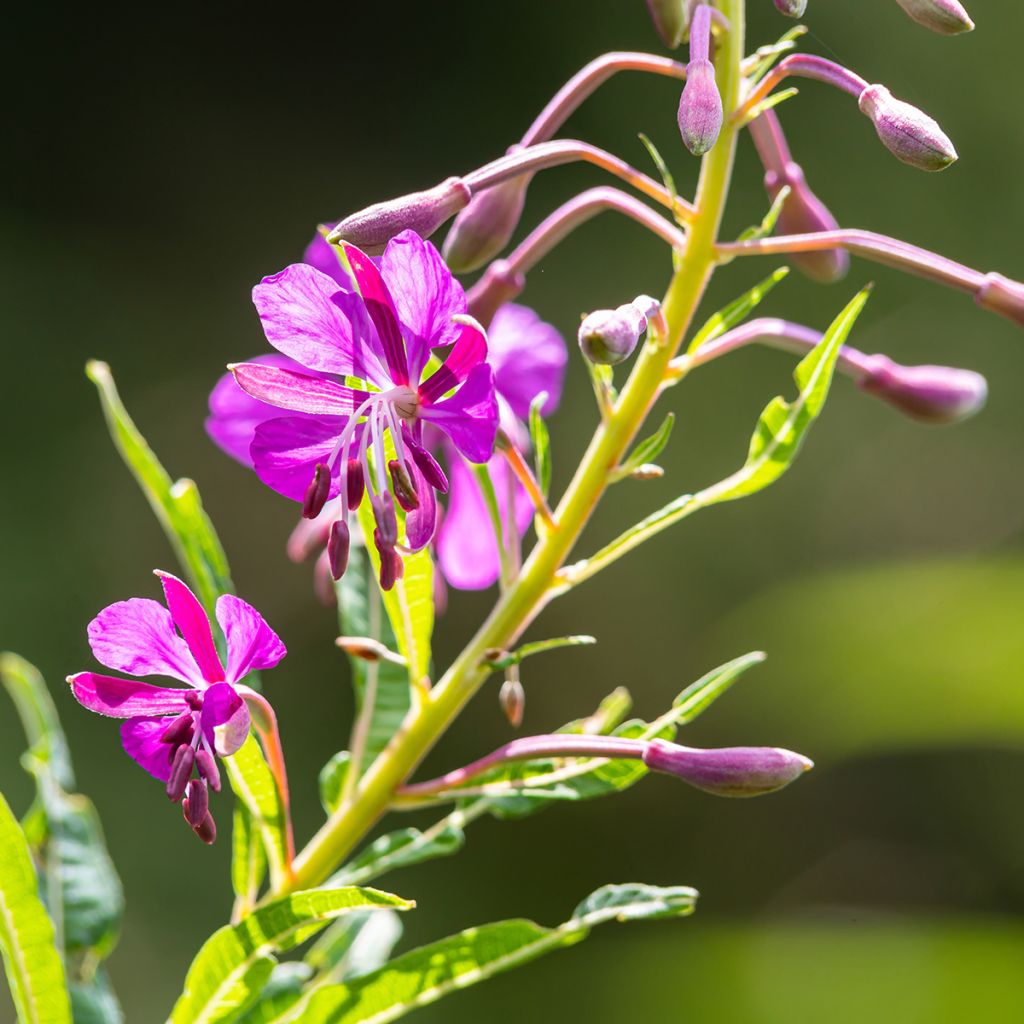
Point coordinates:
pixel 608 336
pixel 945 16
pixel 908 133
pixel 700 108
pixel 423 212
pixel 792 8
pixel 932 394
pixel 728 771
pixel 669 17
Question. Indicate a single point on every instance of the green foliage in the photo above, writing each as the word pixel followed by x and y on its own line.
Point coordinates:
pixel 736 311
pixel 424 975
pixel 506 660
pixel 248 858
pixel 648 449
pixel 400 849
pixel 541 441
pixel 76 874
pixel 235 963
pixel 31 959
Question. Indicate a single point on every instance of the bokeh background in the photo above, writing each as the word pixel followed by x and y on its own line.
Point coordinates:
pixel 160 161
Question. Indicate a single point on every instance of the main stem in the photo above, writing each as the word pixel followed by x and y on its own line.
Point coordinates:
pixel 521 603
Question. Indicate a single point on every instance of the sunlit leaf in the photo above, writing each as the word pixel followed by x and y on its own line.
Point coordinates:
pixel 399 849
pixel 31 959
pixel 737 310
pixel 425 975
pixel 541 441
pixel 236 962
pixel 648 449
pixel 248 858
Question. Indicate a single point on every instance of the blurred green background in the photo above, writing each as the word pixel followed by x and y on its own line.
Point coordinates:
pixel 161 161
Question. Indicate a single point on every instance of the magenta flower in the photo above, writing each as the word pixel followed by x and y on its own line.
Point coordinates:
pixel 380 326
pixel 174 732
pixel 527 356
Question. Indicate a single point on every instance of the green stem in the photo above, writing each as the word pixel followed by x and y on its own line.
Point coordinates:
pixel 521 603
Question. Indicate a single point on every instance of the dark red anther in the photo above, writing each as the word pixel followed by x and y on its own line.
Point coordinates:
pixel 338 547
pixel 355 484
pixel 194 699
pixel 196 803
pixel 405 490
pixel 206 765
pixel 179 731
pixel 391 567
pixel 181 769
pixel 206 830
pixel 316 493
pixel 428 466
pixel 387 522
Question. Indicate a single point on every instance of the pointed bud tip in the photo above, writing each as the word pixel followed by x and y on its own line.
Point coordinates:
pixel 929 394
pixel 700 108
pixel 908 133
pixel 946 17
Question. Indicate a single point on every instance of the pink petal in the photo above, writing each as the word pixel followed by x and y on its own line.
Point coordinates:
pixel 421 522
pixel 381 310
pixel 529 356
pixel 285 451
pixel 224 719
pixel 324 257
pixel 319 323
pixel 470 416
pixel 469 350
pixel 426 296
pixel 193 624
pixel 252 644
pixel 298 392
pixel 137 636
pixel 125 698
pixel 140 738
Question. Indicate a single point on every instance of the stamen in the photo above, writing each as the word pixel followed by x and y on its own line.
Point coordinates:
pixel 197 802
pixel 181 769
pixel 338 548
pixel 355 484
pixel 194 699
pixel 316 494
pixel 405 491
pixel 387 521
pixel 206 765
pixel 207 831
pixel 179 731
pixel 428 466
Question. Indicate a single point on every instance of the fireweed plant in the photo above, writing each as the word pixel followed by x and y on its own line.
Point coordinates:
pixel 404 416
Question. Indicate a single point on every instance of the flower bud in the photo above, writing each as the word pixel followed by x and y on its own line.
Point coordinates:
pixel 932 394
pixel 728 771
pixel 424 212
pixel 512 698
pixel 1001 295
pixel 669 17
pixel 700 108
pixel 908 133
pixel 608 336
pixel 945 16
pixel 792 8
pixel 486 225
pixel 803 213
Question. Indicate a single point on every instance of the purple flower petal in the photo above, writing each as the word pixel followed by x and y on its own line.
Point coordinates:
pixel 324 257
pixel 137 636
pixel 320 324
pixel 224 719
pixel 426 296
pixel 285 451
pixel 193 624
pixel 470 416
pixel 421 522
pixel 469 350
pixel 140 738
pixel 298 392
pixel 234 415
pixel 467 548
pixel 380 307
pixel 529 356
pixel 252 644
pixel 125 698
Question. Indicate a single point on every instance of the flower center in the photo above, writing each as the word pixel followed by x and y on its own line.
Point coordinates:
pixel 406 403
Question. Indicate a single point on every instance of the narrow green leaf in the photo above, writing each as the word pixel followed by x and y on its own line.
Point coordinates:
pixel 506 660
pixel 609 714
pixel 770 219
pixel 541 441
pixel 400 849
pixel 177 506
pixel 649 449
pixel 768 55
pixel 383 685
pixel 783 425
pixel 699 696
pixel 769 102
pixel 93 1000
pixel 248 858
pixel 33 966
pixel 235 963
pixel 282 992
pixel 424 975
pixel 737 310
pixel 409 603
pixel 332 780
pixel 254 785
pixel 662 167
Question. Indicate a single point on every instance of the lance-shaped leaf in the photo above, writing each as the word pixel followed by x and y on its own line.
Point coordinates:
pixel 505 659
pixel 648 449
pixel 783 425
pixel 427 974
pixel 235 963
pixel 541 441
pixel 402 848
pixel 737 310
pixel 248 859
pixel 34 970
